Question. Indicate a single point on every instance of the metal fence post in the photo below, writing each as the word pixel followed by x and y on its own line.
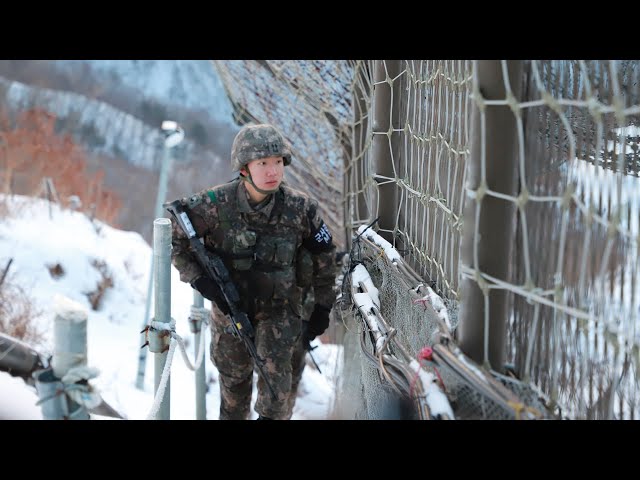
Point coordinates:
pixel 385 143
pixel 18 358
pixel 173 137
pixel 201 386
pixel 70 351
pixel 166 158
pixel 355 165
pixel 496 222
pixel 162 306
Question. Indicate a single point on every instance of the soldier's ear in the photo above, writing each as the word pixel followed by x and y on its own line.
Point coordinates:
pixel 243 171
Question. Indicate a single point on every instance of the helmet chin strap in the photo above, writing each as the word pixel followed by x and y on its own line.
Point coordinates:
pixel 247 178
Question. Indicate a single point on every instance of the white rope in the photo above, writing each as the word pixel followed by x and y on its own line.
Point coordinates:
pixel 196 313
pixel 185 357
pixel 163 381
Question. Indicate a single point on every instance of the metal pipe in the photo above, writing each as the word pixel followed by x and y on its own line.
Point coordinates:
pixel 70 337
pixel 355 172
pixel 162 304
pixel 70 351
pixel 17 358
pixel 162 189
pixel 201 385
pixel 496 219
pixel 385 143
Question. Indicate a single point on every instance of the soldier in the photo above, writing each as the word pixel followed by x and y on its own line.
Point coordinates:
pixel 274 244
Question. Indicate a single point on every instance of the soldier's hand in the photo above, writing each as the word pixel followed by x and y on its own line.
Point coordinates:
pixel 307 337
pixel 318 321
pixel 211 291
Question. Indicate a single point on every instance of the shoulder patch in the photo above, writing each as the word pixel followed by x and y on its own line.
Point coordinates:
pixel 320 239
pixel 212 196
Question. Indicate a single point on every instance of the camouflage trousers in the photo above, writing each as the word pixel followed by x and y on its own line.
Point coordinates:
pixel 278 342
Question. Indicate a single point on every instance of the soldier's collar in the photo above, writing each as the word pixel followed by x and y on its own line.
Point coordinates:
pixel 245 207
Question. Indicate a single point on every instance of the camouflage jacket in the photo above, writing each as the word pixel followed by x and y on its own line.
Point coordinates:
pixel 270 252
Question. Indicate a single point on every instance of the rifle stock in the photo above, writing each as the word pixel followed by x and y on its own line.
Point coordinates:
pixel 216 270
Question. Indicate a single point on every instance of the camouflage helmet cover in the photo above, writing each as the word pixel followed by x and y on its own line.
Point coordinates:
pixel 258 141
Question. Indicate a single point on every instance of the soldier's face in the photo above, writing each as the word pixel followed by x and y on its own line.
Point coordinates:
pixel 267 173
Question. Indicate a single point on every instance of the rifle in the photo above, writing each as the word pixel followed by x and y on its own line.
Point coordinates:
pixel 216 270
pixel 309 349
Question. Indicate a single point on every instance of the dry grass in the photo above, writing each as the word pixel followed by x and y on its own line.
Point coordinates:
pixel 95 297
pixel 18 312
pixel 56 271
pixel 32 151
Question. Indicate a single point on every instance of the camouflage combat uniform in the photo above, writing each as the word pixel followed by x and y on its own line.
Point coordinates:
pixel 271 251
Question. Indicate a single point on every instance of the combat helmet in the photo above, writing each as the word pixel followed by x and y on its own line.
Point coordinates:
pixel 258 141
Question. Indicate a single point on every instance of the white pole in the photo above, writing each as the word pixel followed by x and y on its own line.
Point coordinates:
pixel 173 136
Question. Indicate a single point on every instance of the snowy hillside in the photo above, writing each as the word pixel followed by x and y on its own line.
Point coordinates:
pixel 189 83
pixel 37 243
